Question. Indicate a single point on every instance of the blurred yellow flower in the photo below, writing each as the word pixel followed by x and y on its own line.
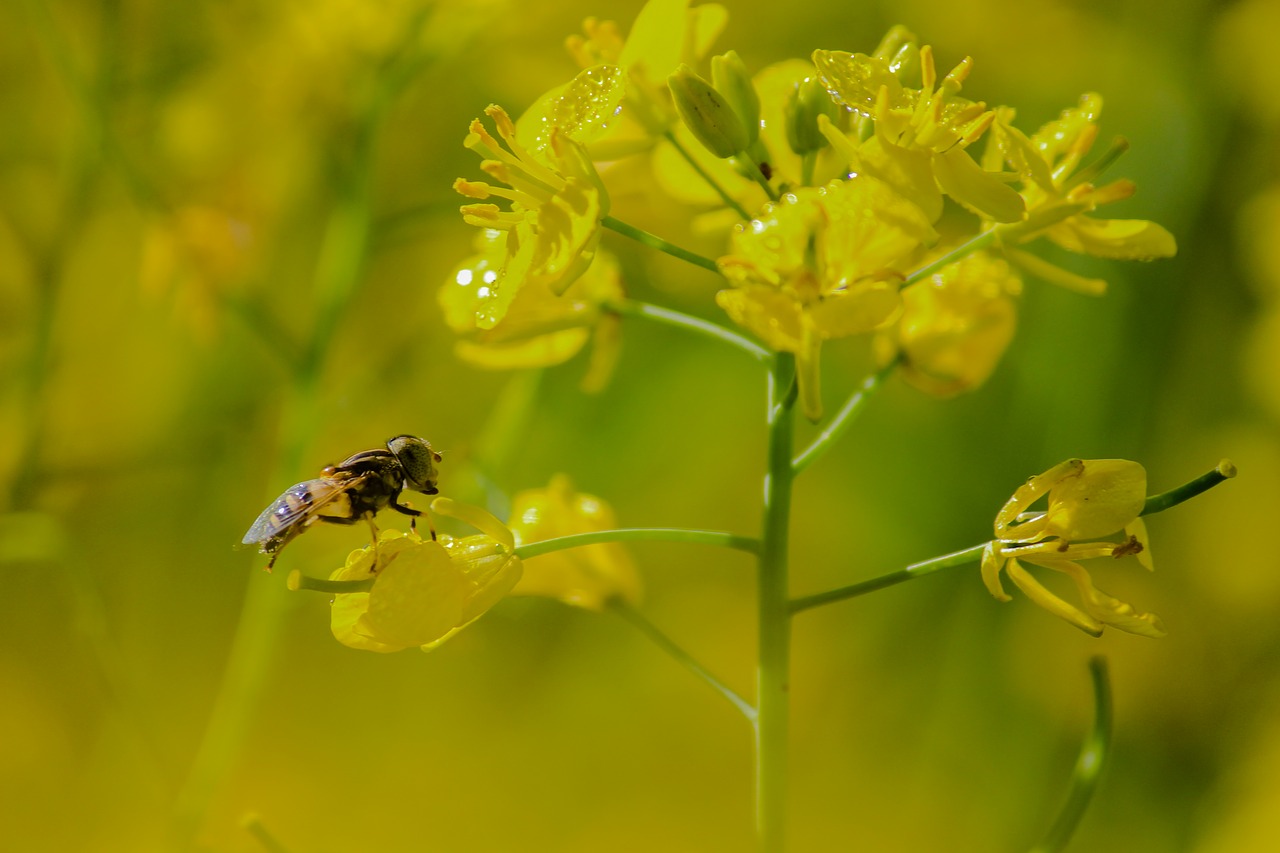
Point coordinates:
pixel 920 137
pixel 195 255
pixel 1087 500
pixel 822 263
pixel 538 329
pixel 553 226
pixel 1059 194
pixel 954 326
pixel 585 577
pixel 423 591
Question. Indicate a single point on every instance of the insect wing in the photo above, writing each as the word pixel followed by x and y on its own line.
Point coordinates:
pixel 299 502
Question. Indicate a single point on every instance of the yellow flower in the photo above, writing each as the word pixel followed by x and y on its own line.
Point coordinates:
pixel 920 137
pixel 1087 500
pixel 954 326
pixel 537 328
pixel 553 225
pixel 423 591
pixel 585 577
pixel 823 263
pixel 1059 194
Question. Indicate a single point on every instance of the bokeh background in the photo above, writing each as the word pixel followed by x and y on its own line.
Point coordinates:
pixel 192 192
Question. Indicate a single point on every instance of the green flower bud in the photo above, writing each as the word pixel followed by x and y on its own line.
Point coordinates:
pixel 805 103
pixel 706 112
pixel 731 80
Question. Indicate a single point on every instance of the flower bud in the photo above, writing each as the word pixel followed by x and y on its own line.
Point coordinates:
pixel 805 103
pixel 707 113
pixel 730 78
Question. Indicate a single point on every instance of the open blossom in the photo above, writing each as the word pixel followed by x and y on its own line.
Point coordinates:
pixel 954 326
pixel 1088 500
pixel 424 591
pixel 552 226
pixel 920 134
pixel 1060 195
pixel 822 263
pixel 587 576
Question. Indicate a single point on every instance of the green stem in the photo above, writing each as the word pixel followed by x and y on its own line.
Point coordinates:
pixel 653 241
pixel 1089 765
pixel 752 170
pixel 915 570
pixel 299 581
pixel 840 424
pixel 682 657
pixel 1159 503
pixel 807 163
pixel 773 671
pixel 978 241
pixel 255 827
pixel 688 322
pixel 706 176
pixel 641 534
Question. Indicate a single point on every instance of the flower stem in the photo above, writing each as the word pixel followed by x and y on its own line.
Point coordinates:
pixel 298 581
pixel 640 534
pixel 688 661
pixel 653 241
pixel 253 825
pixel 690 323
pixel 1159 503
pixel 807 164
pixel 706 176
pixel 842 420
pixel 1089 764
pixel 915 570
pixel 774 662
pixel 978 241
pixel 752 170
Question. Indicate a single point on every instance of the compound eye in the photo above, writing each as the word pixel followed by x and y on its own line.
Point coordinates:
pixel 418 461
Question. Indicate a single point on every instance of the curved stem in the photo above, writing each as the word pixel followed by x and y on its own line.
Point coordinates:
pixel 688 322
pixel 688 661
pixel 640 534
pixel 1159 503
pixel 911 572
pixel 706 176
pixel 1089 765
pixel 842 420
pixel 774 613
pixel 978 241
pixel 653 241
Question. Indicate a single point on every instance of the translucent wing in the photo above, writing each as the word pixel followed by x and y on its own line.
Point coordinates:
pixel 294 510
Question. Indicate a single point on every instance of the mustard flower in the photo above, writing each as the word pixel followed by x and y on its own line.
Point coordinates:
pixel 920 135
pixel 424 591
pixel 1059 194
pixel 537 328
pixel 588 576
pixel 1088 499
pixel 553 224
pixel 822 263
pixel 954 326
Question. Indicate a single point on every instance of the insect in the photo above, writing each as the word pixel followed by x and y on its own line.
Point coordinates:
pixel 355 490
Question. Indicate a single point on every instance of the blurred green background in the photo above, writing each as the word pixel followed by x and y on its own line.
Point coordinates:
pixel 188 189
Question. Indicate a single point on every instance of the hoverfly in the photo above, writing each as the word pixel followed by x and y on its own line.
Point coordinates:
pixel 344 494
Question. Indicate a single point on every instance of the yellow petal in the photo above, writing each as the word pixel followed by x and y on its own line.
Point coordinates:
pixel 541 351
pixel 909 171
pixel 418 597
pixel 1102 499
pixel 1137 530
pixel 1041 596
pixel 853 312
pixel 1055 274
pixel 978 190
pixel 1112 611
pixel 1118 239
pixel 991 566
pixel 855 80
pixel 584 109
pixel 772 316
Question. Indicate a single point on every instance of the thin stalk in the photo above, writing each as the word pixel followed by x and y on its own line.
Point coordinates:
pixel 807 163
pixel 706 176
pixel 642 534
pixel 688 661
pixel 1159 503
pixel 978 241
pixel 653 241
pixel 911 572
pixel 688 322
pixel 1089 764
pixel 843 419
pixel 774 612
